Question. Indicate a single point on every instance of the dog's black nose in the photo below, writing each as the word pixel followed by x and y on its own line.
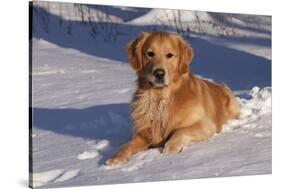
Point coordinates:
pixel 159 74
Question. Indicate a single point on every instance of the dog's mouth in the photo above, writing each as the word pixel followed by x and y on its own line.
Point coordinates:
pixel 158 84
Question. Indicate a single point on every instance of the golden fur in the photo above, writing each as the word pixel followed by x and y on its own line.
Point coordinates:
pixel 179 111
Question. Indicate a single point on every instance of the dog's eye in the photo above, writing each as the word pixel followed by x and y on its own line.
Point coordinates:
pixel 150 54
pixel 169 55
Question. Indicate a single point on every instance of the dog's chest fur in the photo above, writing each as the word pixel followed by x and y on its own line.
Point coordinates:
pixel 150 111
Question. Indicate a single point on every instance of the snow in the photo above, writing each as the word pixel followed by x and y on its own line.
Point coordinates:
pixel 81 90
pixel 102 144
pixel 68 175
pixel 88 155
pixel 54 176
pixel 168 14
pixel 95 151
pixel 69 12
pixel 261 49
pixel 45 177
pixel 258 105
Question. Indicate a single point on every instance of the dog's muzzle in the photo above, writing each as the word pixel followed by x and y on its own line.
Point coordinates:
pixel 159 75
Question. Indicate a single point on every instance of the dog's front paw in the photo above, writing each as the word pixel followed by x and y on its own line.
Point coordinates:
pixel 172 147
pixel 116 161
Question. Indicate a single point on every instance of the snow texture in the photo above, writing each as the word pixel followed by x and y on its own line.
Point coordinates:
pixel 82 87
pixel 53 176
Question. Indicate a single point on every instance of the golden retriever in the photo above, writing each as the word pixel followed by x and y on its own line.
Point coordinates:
pixel 171 107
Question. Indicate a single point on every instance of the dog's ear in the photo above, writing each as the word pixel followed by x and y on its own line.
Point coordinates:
pixel 186 56
pixel 134 50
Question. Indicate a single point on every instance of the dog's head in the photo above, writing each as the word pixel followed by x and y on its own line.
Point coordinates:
pixel 159 58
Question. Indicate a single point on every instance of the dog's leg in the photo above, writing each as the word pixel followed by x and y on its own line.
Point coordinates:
pixel 187 135
pixel 137 144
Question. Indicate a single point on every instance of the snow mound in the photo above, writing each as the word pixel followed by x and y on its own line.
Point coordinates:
pixel 259 104
pixel 93 152
pixel 87 155
pixel 102 144
pixel 168 15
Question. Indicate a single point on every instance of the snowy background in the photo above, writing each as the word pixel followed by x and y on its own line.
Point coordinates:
pixel 82 85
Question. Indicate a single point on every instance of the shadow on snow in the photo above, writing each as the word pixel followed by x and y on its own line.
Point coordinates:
pixel 110 122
